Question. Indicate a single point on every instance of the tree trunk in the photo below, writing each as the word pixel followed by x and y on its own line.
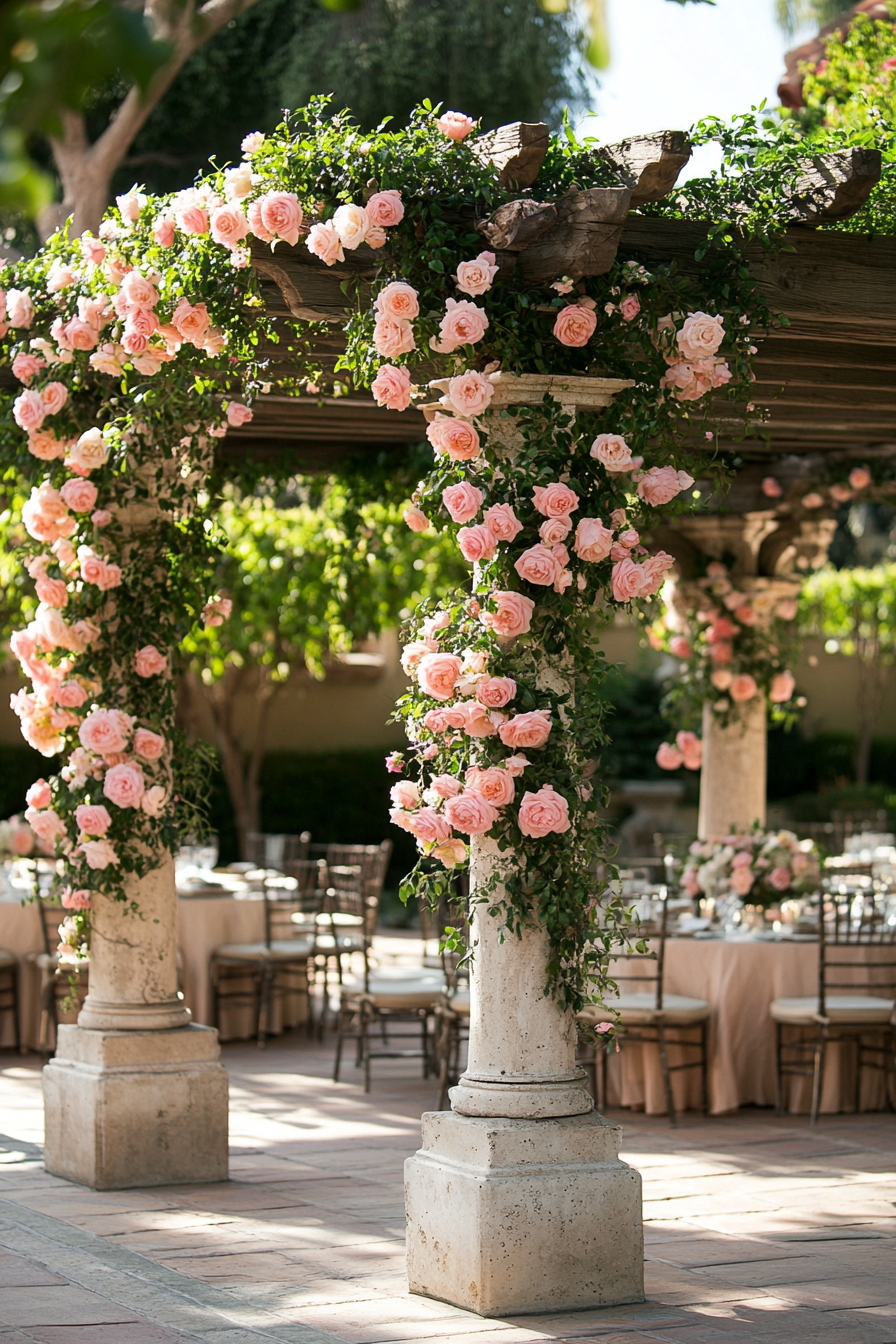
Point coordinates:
pixel 872 682
pixel 241 772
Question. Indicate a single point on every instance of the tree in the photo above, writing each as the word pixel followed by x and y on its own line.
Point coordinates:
pixel 792 13
pixel 855 611
pixel 310 574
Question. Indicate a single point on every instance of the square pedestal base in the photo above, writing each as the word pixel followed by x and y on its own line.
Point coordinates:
pixel 507 1217
pixel 132 1108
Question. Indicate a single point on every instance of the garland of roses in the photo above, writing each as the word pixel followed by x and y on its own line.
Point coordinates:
pixel 138 348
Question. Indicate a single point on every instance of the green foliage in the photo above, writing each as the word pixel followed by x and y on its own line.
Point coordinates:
pixel 854 610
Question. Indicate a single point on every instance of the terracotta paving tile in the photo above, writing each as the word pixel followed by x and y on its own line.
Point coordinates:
pixel 136 1332
pixel 62 1305
pixel 861 1290
pixel 17 1272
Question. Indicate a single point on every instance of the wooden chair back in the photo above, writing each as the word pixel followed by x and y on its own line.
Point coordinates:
pixel 51 916
pixel 281 903
pixel 852 921
pixel 651 964
pixel 270 849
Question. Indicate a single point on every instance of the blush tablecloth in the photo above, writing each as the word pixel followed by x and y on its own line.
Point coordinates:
pixel 739 980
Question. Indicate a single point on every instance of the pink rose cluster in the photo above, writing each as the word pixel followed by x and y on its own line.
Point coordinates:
pixel 352 225
pixel 687 751
pixel 694 368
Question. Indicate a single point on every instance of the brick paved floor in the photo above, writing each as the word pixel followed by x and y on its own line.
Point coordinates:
pixel 757 1229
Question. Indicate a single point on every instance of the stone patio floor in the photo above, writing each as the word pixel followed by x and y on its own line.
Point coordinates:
pixel 757 1229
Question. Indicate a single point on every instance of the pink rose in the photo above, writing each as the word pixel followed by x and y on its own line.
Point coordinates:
pixel 437 673
pixel 779 878
pixel 352 223
pixel 446 786
pixel 44 444
pixel 391 338
pixel 322 242
pixel 660 484
pixel 280 215
pixel 555 500
pixel 470 393
pixel 138 291
pixel 238 414
pixel 700 336
pixel 628 580
pixel 475 277
pixel 385 209
pixel 398 301
pixel 405 794
pixel 78 899
pixel 679 647
pixel 782 687
pixel 787 609
pixel 45 516
pixel 471 813
pixel 449 852
pixel 463 502
pixel 191 322
pixel 435 721
pixel 39 794
pixel 98 853
pixel 104 731
pixel 19 308
pixel 25 366
pixel 54 396
pixel 376 237
pixel 813 500
pixel 51 591
pixel 59 276
pixel 148 662
pixel 429 826
pixel 163 231
pixel 630 307
pixel 252 143
pixel 456 125
pixel 722 653
pixel 217 611
pixel 415 518
pixel 612 451
pixel 148 745
pixel 743 859
pixel 92 820
pixel 463 324
pixel 512 615
pixel 526 730
pixel 555 530
pixel 154 801
pixel 537 565
pixel 495 784
pixel 477 721
pixel 654 569
pixel 691 749
pixel 229 225
pixel 124 785
pixel 593 540
pixel 71 695
pixel 477 543
pixel 46 824
pixel 859 477
pixel 741 881
pixel 515 765
pixel 668 757
pixel 456 438
pixel 496 692
pixel 543 813
pixel 392 388
pixel 575 325
pixel 502 521
pixel 79 495
pixel 29 410
pixel 771 488
pixel 743 687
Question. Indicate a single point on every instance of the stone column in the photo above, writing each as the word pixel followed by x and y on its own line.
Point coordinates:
pixel 733 778
pixel 517 1201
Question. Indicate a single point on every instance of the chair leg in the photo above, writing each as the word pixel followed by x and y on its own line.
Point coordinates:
pixel 779 1066
pixel 818 1074
pixel 365 1046
pixel 16 1025
pixel 704 1067
pixel 667 1080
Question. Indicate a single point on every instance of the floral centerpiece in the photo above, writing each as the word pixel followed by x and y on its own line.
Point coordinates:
pixel 760 868
pixel 18 840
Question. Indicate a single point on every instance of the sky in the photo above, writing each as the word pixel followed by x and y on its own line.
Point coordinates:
pixel 673 64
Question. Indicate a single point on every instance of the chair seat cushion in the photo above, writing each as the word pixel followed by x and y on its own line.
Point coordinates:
pixel 294 949
pixel 842 1008
pixel 398 988
pixel 460 1003
pixel 7 958
pixel 343 942
pixel 637 1010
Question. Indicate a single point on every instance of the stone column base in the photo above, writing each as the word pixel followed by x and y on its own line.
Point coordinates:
pixel 132 1108
pixel 508 1217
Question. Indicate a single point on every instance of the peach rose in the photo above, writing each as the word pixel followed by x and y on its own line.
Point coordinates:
pixel 437 673
pixel 512 615
pixel 555 500
pixel 787 609
pixel 456 125
pixel 148 745
pixel 28 411
pixel 813 500
pixel 495 784
pixel 553 531
pixel 385 209
pixel 148 662
pixel 322 242
pixel 238 414
pixel 741 881
pixel 93 819
pixel 470 393
pixel 628 580
pixel 415 518
pixel 51 591
pixel 463 324
pixel 700 336
pixel 217 611
pixel 543 813
pixel 39 794
pixel 526 730
pixel 191 321
pixel 457 438
pixel 660 484
pixel 124 785
pixel 575 324
pixel 98 853
pixel 392 388
pixel 502 521
pixel 435 721
pixel 593 541
pixel 612 451
pixel 537 565
pixel 782 687
pixel 280 215
pixel 859 477
pixel 398 301
pixel 668 757
pixel 19 308
pixel 229 226
pixel 471 813
pixel 446 786
pixel 654 569
pixel 449 852
pixel 405 794
pixel 163 231
pixel 742 688
pixel 104 731
pixel 79 495
pixel 429 826
pixel 138 291
pixel 154 801
pixel 45 516
pixel 771 488
pixel 476 277
pixel 496 692
pixel 352 223
pixel 25 366
pixel 630 307
pixel 691 749
pixel 46 824
pixel 54 396
pixel 71 695
pixel 376 237
pixel 477 543
pixel 391 338
pixel 462 501
pixel 477 721
pixel 43 444
pixel 193 220
pixel 59 276
pixel 75 899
